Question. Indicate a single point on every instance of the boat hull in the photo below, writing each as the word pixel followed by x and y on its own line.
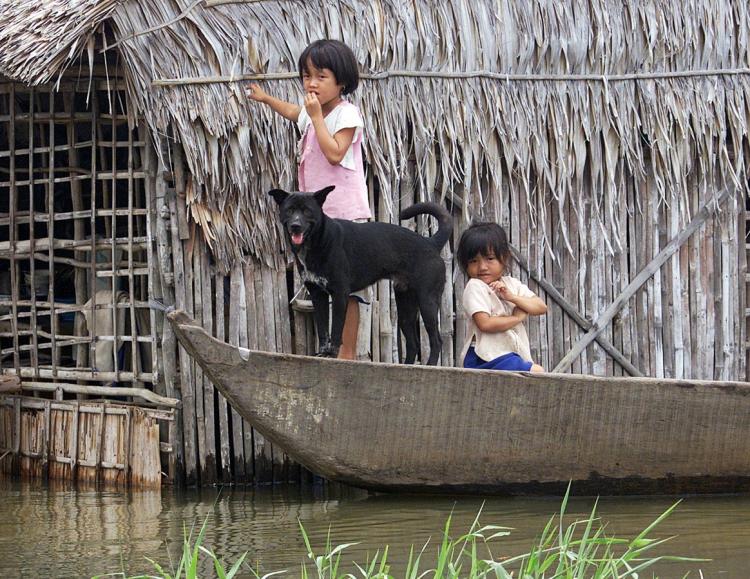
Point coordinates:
pixel 417 428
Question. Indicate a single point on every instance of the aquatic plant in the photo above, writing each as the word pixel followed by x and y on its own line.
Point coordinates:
pixel 580 549
pixel 189 563
pixel 576 550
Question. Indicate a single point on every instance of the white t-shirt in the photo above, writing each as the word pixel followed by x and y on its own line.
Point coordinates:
pixel 343 116
pixel 479 297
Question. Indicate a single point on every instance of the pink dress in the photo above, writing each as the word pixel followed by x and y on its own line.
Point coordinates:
pixel 349 199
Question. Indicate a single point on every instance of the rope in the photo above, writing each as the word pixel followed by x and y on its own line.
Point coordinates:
pixel 464 75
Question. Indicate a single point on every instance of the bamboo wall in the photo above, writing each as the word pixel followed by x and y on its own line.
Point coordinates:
pixel 687 320
pixel 74 235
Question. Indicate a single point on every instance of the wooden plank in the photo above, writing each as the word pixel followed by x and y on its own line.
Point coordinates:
pixel 386 329
pixel 461 322
pixel 200 381
pixel 643 276
pixel 178 359
pixel 45 436
pixel 697 295
pixel 630 337
pixel 209 462
pixel 249 338
pixel 60 444
pixel 446 311
pixel 225 462
pixel 282 302
pixel 300 331
pixel 145 468
pixel 584 275
pixel 74 438
pixel 742 219
pixel 263 451
pixel 290 470
pixel 682 356
pixel 671 335
pixel 237 313
pixel 184 300
pixel 569 261
pixel 645 325
pixel 736 286
pixel 527 245
pixel 553 269
pixel 595 292
pixel 726 266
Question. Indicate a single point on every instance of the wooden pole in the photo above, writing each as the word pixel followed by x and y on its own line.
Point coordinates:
pixel 79 279
pixel 34 103
pixel 51 233
pixel 12 229
pixel 143 393
pixel 163 266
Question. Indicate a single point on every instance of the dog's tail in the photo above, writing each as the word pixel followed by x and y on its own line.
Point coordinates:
pixel 445 224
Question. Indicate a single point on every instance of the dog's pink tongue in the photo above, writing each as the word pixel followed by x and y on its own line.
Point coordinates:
pixel 297 238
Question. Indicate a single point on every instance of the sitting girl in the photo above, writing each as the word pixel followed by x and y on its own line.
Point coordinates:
pixel 496 303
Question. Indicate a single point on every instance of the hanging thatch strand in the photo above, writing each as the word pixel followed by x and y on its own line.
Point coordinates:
pixel 565 140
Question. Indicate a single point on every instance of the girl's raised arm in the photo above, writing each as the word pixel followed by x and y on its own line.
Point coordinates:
pixel 287 110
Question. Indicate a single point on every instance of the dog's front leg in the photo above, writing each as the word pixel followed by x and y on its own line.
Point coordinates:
pixel 320 303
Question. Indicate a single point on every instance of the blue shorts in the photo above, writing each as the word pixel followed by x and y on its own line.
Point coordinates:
pixel 512 362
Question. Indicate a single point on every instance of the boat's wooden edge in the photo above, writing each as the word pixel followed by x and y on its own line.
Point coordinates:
pixel 181 320
pixel 606 486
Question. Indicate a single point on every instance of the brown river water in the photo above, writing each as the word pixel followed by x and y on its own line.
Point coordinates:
pixel 64 531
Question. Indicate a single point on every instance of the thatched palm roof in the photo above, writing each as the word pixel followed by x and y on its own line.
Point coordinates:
pixel 39 40
pixel 561 136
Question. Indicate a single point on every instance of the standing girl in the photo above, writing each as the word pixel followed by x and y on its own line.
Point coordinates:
pixel 497 304
pixel 330 150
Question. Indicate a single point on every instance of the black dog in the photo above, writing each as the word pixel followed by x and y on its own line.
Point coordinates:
pixel 337 257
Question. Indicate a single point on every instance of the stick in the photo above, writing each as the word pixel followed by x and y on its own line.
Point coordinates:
pixel 604 78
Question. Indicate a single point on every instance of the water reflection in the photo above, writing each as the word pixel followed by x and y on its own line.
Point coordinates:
pixel 59 530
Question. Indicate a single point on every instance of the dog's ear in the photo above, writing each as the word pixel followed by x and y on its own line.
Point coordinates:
pixel 279 195
pixel 320 196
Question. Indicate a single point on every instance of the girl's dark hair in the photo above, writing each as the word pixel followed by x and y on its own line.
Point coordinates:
pixel 484 238
pixel 335 56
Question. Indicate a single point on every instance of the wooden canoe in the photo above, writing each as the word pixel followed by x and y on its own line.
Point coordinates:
pixel 418 428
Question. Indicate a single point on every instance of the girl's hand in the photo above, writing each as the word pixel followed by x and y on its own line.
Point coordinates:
pixel 313 106
pixel 255 93
pixel 502 291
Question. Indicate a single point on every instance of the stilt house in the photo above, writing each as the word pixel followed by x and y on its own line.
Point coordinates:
pixel 610 139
